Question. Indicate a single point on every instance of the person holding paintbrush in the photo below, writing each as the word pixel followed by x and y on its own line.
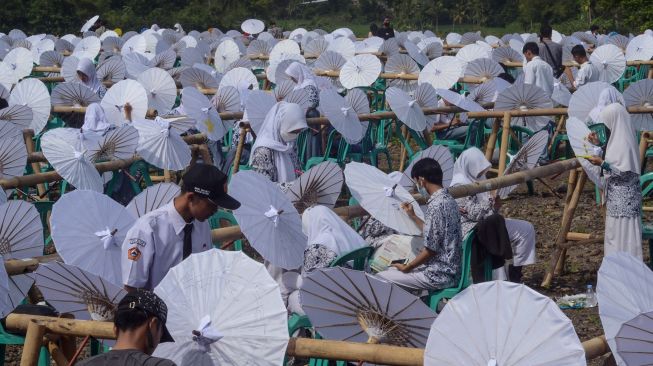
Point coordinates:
pixel 438 265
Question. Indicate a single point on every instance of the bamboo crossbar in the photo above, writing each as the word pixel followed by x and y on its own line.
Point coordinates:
pixel 21 266
pixel 297 347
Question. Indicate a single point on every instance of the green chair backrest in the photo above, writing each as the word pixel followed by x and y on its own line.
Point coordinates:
pixel 302 142
pixel 475 134
pixel 647 189
pixel 466 274
pixel 358 256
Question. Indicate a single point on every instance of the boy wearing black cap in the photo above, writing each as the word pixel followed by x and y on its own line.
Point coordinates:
pixel 139 324
pixel 164 237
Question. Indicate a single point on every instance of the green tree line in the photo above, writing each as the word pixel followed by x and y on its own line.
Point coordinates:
pixel 67 16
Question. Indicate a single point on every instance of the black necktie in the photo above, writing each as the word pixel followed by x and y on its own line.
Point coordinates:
pixel 188 241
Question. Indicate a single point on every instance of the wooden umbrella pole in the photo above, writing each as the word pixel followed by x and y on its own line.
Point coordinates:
pixel 28 135
pixel 166 175
pixel 402 156
pixel 492 140
pixel 503 154
pixel 559 253
pixel 239 149
pixel 643 145
pixel 34 333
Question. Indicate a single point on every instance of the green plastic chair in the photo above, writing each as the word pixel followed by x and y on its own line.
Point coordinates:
pixel 646 181
pixel 8 339
pixel 341 154
pixel 215 222
pixel 381 134
pixel 475 137
pixel 359 257
pixel 433 299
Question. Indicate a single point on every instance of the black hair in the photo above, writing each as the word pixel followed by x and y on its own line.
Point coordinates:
pixel 3 103
pixel 374 28
pixel 578 50
pixel 272 22
pixel 126 320
pixel 428 169
pixel 507 77
pixel 545 31
pixel 533 47
pixel 594 27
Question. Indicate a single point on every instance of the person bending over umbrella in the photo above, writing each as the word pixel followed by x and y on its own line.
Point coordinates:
pixel 439 264
pixel 87 74
pixel 164 237
pixel 140 325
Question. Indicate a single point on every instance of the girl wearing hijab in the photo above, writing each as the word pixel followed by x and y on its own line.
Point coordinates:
pixel 328 238
pixel 471 167
pixel 86 73
pixel 273 153
pixel 622 192
pixel 95 120
pixel 305 80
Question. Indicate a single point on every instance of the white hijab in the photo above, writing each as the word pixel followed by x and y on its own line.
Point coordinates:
pixel 95 120
pixel 276 134
pixel 469 165
pixel 322 226
pixel 622 151
pixel 302 74
pixel 608 96
pixel 87 67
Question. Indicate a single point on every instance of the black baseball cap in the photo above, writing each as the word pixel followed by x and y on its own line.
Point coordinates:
pixel 209 182
pixel 148 301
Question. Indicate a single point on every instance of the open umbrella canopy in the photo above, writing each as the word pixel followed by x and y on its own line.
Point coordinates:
pixel 152 198
pixel 121 93
pixel 112 69
pixel 117 144
pixel 89 23
pixel 34 94
pixel 639 94
pixel 586 98
pixel 223 308
pixel 21 230
pixel 442 72
pixel 73 94
pixel 577 131
pixel 160 146
pixel 526 158
pixel 610 61
pixel 13 157
pixel 13 290
pixel 406 108
pixel 360 70
pixel 160 88
pixel 524 97
pixel 88 229
pixel 320 185
pixel 259 103
pixel 382 197
pixel 199 108
pixel 439 153
pixel 625 292
pixel 341 116
pixel 355 306
pixel 640 48
pixel 268 219
pixel 402 64
pixel 459 100
pixel 72 290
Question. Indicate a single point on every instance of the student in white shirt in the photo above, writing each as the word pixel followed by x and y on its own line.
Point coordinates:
pixel 164 237
pixel 537 71
pixel 588 72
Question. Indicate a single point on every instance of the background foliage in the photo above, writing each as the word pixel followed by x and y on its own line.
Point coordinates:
pixel 494 16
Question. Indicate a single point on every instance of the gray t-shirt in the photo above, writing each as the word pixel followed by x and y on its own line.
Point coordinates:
pixel 556 52
pixel 126 357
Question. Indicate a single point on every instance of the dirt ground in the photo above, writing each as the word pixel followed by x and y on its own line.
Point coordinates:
pixel 544 210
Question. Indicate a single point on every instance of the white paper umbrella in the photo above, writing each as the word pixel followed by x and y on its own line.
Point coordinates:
pixel 525 159
pixel 206 116
pixel 344 46
pixel 191 56
pixel 453 38
pixel 73 94
pixel 88 229
pixel 236 76
pixel 198 78
pixel 135 64
pixel 41 47
pixel 439 153
pixel 619 41
pixel 72 290
pixel 634 340
pixel 639 94
pixel 483 68
pixel 227 99
pixel 459 100
pixel 624 291
pixel 116 144
pixel 406 108
pixel 506 54
pixel 640 48
pixel 223 308
pixel 329 61
pixel 71 163
pixel 88 47
pixel 123 92
pixel 112 69
pixel 402 64
pixel 320 185
pixel 15 117
pixel 342 117
pixel 4 93
pixel 610 61
pixel 524 97
pixel 152 198
pixel 21 230
pixel 284 48
pixel 355 306
pixel 484 93
pixel 34 94
pixel 426 97
pixel 258 105
pixel 137 44
pixel 19 60
pixel 51 58
pixel 160 146
pixel 470 53
pixel 315 48
pixel 390 47
pixel 89 23
pixel 13 157
pixel 382 197
pixel 226 53
pixel 417 55
pixel 585 99
pixel 268 219
pixel 19 286
pixel 164 60
pixel 502 323
pixel 252 26
pixel 443 72
pixel 112 44
pixel 360 70
pixel 6 305
pixel 561 95
pixel 69 69
pixel 160 88
pixel 577 132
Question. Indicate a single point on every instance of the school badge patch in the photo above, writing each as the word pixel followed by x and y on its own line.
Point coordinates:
pixel 133 254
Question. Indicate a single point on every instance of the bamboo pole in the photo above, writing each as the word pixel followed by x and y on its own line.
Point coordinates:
pixel 34 333
pixel 56 352
pixel 239 149
pixel 503 155
pixel 492 140
pixel 28 135
pixel 21 266
pixel 561 122
pixel 558 255
pixel 404 150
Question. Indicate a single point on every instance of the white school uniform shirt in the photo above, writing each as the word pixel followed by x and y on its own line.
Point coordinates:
pixel 156 243
pixel 537 72
pixel 587 73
